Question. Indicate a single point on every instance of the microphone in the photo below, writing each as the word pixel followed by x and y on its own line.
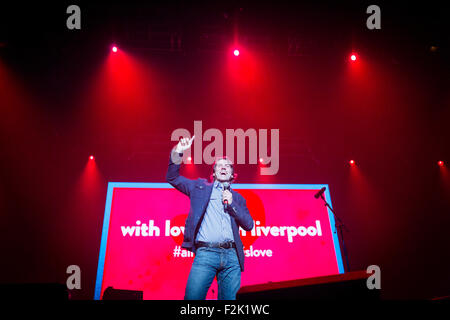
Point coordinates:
pixel 318 194
pixel 226 186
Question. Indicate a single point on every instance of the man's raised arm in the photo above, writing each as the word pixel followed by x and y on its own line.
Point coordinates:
pixel 173 177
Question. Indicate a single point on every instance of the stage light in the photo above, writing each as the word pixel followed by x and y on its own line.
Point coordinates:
pixel 352 162
pixel 114 49
pixel 261 160
pixel 189 159
pixel 353 57
pixel 91 158
pixel 236 52
pixel 441 163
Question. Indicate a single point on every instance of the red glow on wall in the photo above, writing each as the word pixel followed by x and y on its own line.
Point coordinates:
pixel 119 96
pixel 90 181
pixel 86 196
pixel 245 71
pixel 363 195
pixel 22 128
pixel 16 105
pixel 444 175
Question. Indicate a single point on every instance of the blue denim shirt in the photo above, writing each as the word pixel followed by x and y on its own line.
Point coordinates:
pixel 216 224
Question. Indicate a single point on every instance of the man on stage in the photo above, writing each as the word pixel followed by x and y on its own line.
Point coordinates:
pixel 212 227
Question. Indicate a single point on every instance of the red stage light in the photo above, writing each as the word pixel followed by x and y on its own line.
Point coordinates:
pixel 91 158
pixel 114 49
pixel 236 52
pixel 352 162
pixel 353 57
pixel 261 160
pixel 441 163
pixel 189 159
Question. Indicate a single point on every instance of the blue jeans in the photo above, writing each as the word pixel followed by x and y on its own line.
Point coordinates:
pixel 211 262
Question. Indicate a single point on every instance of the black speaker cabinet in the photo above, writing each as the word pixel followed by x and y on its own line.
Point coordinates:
pixel 117 294
pixel 34 292
pixel 350 285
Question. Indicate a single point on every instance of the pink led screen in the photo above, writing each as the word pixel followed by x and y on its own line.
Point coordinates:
pixel 293 238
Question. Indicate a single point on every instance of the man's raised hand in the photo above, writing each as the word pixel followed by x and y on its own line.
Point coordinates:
pixel 184 144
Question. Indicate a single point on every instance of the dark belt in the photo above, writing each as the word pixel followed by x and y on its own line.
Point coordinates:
pixel 224 245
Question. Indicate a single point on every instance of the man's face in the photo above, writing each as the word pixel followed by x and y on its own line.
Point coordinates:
pixel 223 170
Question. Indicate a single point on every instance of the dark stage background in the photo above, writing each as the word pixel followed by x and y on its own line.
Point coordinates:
pixel 64 96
